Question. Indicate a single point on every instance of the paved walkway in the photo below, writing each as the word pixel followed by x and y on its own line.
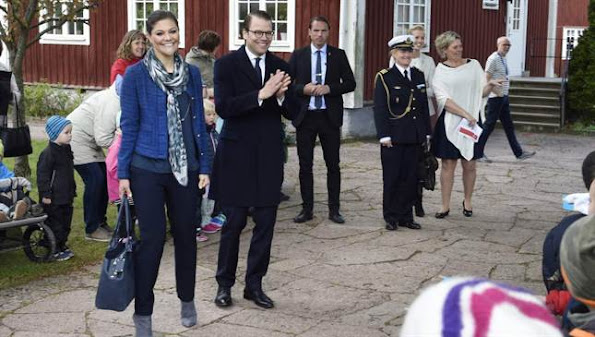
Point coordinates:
pixel 354 279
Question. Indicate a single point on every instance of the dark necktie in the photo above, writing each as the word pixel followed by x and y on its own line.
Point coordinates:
pixel 258 70
pixel 405 74
pixel 318 99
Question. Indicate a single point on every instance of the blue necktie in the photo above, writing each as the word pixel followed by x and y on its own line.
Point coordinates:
pixel 318 99
pixel 258 70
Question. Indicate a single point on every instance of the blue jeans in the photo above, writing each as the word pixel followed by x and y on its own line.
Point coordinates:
pixel 499 108
pixel 95 196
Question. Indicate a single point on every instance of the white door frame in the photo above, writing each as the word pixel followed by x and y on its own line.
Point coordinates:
pixel 517 48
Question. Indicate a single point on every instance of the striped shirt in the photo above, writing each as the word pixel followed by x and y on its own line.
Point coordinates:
pixel 497 67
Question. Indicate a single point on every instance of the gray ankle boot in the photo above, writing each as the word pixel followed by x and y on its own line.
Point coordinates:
pixel 188 314
pixel 142 325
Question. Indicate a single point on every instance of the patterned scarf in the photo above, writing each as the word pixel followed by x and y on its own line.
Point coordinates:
pixel 173 85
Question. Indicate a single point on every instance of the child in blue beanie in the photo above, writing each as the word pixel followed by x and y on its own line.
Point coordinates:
pixel 55 181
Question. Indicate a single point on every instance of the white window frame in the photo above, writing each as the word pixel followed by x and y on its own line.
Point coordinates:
pixel 426 23
pixel 181 17
pixel 66 38
pixel 575 32
pixel 235 40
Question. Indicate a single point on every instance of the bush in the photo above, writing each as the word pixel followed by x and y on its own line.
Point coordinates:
pixel 43 100
pixel 581 75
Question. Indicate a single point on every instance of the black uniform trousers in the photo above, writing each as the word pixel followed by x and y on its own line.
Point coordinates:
pixel 259 253
pixel 399 175
pixel 59 220
pixel 152 192
pixel 317 123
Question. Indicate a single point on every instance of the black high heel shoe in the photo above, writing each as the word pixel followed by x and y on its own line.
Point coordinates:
pixel 441 215
pixel 467 212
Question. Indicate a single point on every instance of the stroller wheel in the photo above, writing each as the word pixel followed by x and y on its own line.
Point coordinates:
pixel 39 242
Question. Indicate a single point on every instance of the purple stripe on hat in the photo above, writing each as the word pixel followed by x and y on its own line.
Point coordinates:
pixel 452 321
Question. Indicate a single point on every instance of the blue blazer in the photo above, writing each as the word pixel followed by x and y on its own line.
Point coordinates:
pixel 144 119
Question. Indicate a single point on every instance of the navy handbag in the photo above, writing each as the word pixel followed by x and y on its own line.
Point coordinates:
pixel 116 282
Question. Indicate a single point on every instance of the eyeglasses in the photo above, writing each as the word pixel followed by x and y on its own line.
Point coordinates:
pixel 260 33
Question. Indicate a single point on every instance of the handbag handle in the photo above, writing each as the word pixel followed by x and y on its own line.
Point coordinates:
pixel 124 219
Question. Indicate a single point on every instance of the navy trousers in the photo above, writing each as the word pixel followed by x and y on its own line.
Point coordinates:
pixel 95 197
pixel 499 108
pixel 399 178
pixel 151 192
pixel 259 253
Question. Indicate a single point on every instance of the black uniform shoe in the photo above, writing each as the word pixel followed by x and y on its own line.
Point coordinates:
pixel 419 211
pixel 336 217
pixel 303 216
pixel 259 298
pixel 412 225
pixel 391 226
pixel 223 298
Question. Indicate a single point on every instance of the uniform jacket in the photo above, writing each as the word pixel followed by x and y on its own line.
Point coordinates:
pixel 248 163
pixel 144 119
pixel 55 174
pixel 339 78
pixel 392 95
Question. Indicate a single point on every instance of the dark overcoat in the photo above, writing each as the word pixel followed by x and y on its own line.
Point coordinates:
pixel 248 166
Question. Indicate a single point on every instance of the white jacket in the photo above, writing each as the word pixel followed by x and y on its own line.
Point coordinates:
pixel 93 126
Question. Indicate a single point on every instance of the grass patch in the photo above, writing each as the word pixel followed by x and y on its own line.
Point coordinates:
pixel 581 127
pixel 17 269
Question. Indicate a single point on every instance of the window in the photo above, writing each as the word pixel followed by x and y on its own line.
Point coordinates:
pixel 570 35
pixel 139 10
pixel 71 33
pixel 282 12
pixel 409 13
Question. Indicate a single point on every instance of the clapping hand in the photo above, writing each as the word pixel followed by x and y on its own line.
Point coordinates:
pixel 284 85
pixel 274 83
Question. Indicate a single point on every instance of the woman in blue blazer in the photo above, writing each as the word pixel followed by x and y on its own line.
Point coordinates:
pixel 164 160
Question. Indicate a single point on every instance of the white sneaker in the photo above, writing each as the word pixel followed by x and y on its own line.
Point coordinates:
pixel 100 234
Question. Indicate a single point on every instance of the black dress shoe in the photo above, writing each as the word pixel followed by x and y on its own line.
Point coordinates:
pixel 336 217
pixel 223 298
pixel 442 215
pixel 391 226
pixel 284 197
pixel 259 298
pixel 412 225
pixel 303 216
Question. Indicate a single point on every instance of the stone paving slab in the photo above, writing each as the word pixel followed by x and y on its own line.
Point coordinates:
pixel 355 279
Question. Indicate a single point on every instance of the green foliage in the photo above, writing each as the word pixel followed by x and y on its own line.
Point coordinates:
pixel 43 100
pixel 581 75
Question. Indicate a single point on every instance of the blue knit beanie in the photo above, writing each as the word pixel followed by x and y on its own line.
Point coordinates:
pixel 54 126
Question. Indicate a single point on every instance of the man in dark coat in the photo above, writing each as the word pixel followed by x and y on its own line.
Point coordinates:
pixel 250 94
pixel 322 75
pixel 402 125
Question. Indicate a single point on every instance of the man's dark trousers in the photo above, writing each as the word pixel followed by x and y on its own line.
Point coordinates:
pixel 499 108
pixel 260 246
pixel 316 123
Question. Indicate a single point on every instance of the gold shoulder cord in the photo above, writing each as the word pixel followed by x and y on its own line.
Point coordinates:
pixel 390 111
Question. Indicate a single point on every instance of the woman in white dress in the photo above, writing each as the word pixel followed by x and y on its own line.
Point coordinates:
pixel 461 91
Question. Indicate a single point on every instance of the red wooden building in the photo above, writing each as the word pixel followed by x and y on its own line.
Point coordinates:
pixel 82 55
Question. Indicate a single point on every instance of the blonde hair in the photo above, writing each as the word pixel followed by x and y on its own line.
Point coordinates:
pixel 209 106
pixel 416 27
pixel 125 49
pixel 444 40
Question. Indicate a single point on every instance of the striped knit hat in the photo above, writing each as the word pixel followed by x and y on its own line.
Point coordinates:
pixel 54 125
pixel 474 307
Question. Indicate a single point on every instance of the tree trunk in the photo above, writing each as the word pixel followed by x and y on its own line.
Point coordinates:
pixel 21 167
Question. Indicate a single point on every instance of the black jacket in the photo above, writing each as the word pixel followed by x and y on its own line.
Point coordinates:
pixel 339 78
pixel 55 174
pixel 248 166
pixel 392 95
